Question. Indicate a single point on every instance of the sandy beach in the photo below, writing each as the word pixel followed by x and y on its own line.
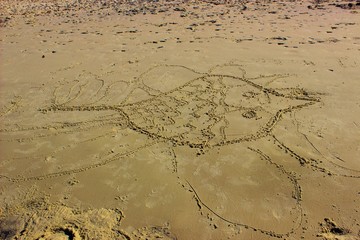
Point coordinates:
pixel 179 120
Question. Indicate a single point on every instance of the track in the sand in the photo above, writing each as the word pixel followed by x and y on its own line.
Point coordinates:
pixel 179 106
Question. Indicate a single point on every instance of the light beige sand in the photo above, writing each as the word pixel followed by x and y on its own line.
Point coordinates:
pixel 201 121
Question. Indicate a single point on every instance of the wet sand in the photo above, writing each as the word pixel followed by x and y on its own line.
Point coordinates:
pixel 172 120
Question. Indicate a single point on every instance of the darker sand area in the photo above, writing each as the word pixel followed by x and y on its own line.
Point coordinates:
pixel 179 120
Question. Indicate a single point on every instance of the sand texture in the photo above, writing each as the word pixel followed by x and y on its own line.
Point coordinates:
pixel 179 120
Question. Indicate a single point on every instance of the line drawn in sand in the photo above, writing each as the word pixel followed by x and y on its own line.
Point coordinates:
pixel 181 107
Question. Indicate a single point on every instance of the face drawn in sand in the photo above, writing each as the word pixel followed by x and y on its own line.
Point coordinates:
pixel 200 110
pixel 205 115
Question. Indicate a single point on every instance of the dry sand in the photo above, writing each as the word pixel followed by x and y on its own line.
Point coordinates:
pixel 170 120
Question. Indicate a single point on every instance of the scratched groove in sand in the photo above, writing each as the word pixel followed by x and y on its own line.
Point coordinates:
pixel 203 113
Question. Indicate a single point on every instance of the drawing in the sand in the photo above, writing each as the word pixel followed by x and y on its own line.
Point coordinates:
pixel 173 107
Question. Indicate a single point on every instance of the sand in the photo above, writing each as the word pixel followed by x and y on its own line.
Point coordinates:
pixel 179 120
